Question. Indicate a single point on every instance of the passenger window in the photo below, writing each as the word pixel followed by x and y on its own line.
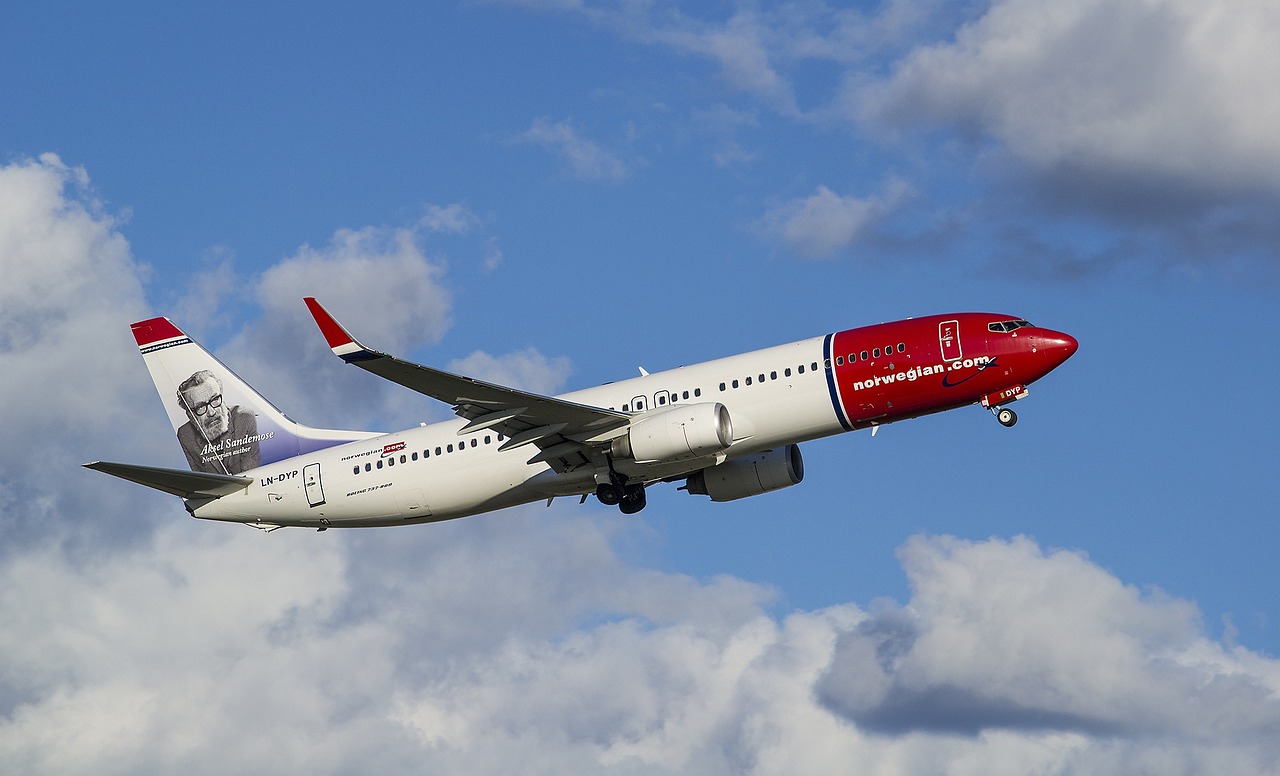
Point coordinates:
pixel 773 375
pixel 474 441
pixel 802 369
pixel 827 364
pixel 624 408
pixel 367 467
pixel 748 381
pixel 814 366
pixel 839 360
pixel 865 355
pixel 875 353
pixel 356 470
pixel 786 372
pixel 721 386
pixel 403 459
pixel 487 439
pixel 735 383
pixel 449 448
pixel 391 461
pixel 437 451
pixel 415 455
pixel 762 378
pixel 902 347
pixel 379 463
pixel 698 391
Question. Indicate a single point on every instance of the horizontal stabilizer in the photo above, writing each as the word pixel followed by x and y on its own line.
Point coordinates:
pixel 177 482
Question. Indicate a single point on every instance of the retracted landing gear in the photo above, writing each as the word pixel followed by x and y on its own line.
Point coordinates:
pixel 1006 416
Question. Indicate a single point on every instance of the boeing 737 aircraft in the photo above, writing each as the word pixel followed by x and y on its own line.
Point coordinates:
pixel 727 428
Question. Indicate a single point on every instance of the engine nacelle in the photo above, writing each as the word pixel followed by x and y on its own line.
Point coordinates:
pixel 679 432
pixel 749 475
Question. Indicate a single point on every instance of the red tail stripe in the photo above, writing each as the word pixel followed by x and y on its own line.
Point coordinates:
pixel 154 330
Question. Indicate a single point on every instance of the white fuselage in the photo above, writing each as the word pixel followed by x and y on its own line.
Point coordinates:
pixel 432 472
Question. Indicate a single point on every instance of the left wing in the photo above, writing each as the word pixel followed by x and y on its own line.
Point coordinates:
pixel 564 432
pixel 179 482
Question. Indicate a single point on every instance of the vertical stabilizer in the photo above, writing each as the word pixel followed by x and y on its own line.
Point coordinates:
pixel 223 425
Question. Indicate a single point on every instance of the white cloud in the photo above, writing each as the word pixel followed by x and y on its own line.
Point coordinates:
pixel 825 222
pixel 519 641
pixel 69 292
pixel 1001 635
pixel 381 285
pixel 450 219
pixel 586 159
pixel 1178 90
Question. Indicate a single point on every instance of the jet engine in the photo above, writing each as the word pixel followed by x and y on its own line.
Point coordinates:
pixel 676 433
pixel 749 475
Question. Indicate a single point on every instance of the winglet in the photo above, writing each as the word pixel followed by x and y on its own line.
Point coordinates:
pixel 340 341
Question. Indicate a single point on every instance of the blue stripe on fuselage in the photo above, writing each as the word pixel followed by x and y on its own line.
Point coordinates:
pixel 830 365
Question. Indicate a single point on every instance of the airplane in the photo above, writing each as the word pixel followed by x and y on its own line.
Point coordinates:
pixel 728 428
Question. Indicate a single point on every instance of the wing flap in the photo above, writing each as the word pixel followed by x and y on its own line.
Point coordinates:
pixel 177 482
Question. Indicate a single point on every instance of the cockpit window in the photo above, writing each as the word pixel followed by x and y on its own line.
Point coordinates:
pixel 1007 326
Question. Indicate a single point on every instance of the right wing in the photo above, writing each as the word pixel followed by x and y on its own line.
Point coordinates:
pixel 566 433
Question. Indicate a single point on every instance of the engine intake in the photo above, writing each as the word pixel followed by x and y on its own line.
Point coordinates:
pixel 679 432
pixel 749 475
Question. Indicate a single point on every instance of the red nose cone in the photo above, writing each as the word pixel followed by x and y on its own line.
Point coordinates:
pixel 1057 346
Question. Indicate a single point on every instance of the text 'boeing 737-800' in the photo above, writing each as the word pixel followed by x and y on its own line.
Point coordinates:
pixel 727 428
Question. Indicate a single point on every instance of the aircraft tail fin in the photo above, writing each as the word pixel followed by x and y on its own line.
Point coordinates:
pixel 224 426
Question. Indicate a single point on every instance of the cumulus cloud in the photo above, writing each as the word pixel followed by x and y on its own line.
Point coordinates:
pixel 825 223
pixel 1003 635
pixel 520 641
pixel 1169 98
pixel 587 160
pixel 69 283
pixel 215 648
pixel 382 286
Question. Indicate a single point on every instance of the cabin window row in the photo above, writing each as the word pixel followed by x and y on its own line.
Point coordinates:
pixel 660 399
pixel 866 355
pixel 440 450
pixel 762 378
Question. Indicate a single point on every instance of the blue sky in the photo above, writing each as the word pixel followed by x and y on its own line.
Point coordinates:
pixel 552 194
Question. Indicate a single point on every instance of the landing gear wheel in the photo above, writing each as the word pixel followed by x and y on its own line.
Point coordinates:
pixel 633 500
pixel 1007 417
pixel 609 495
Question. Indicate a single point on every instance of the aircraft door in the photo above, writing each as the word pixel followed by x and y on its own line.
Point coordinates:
pixel 638 404
pixel 311 483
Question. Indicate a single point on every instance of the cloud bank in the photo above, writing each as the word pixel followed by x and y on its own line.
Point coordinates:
pixel 521 641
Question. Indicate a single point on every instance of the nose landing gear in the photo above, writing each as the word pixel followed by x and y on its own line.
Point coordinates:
pixel 993 402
